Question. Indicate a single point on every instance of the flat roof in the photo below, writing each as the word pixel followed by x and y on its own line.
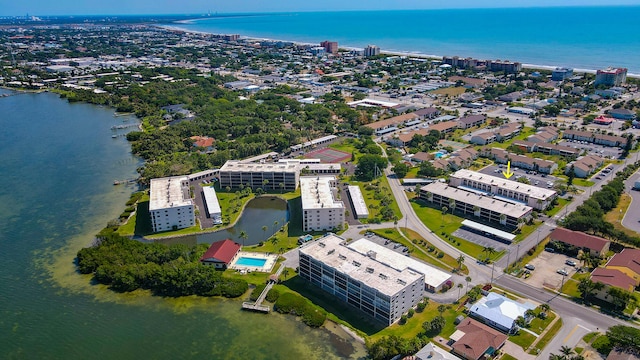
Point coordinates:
pixel 359 205
pixel 384 278
pixel 315 166
pixel 203 173
pixel 485 202
pixel 260 157
pixel 372 102
pixel 211 200
pixel 169 192
pixel 488 229
pixel 316 192
pixel 432 276
pixel 531 190
pixel 314 142
pixel 239 166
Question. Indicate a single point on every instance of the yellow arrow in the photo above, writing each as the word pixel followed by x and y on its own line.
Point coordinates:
pixel 508 173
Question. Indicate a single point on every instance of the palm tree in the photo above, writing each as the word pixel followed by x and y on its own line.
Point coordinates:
pixel 444 211
pixel 489 250
pixel 468 280
pixel 275 224
pixel 460 286
pixel 460 260
pixel 264 229
pixel 243 235
pixel 566 350
pixel 442 309
pixel 281 187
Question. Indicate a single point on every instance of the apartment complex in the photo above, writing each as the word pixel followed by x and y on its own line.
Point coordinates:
pixel 487 208
pixel 371 50
pixel 503 189
pixel 320 210
pixel 379 290
pixel 170 205
pixel 611 76
pixel 268 176
pixel 330 47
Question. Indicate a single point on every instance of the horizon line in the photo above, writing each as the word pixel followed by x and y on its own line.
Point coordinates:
pixel 209 13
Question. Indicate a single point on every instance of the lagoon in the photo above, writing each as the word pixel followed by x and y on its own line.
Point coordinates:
pixel 58 162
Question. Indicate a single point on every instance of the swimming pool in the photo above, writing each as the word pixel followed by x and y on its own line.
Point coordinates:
pixel 249 261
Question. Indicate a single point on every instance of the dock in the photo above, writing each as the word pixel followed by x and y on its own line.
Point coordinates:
pixel 257 305
pixel 128 181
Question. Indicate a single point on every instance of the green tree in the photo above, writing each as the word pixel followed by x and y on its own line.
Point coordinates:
pixel 460 261
pixel 243 235
pixel 369 167
pixel 624 337
pixel 401 169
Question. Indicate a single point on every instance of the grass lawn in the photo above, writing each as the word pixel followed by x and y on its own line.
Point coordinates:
pixel 413 173
pixel 419 249
pixel 525 231
pixel 348 146
pixel 523 338
pixel 590 336
pixel 369 191
pixel 561 204
pixel 451 91
pixel 538 325
pixel 142 207
pixel 582 182
pixel 413 326
pixel 447 224
pixel 507 357
pixel 615 215
pixel 570 286
pixel 542 343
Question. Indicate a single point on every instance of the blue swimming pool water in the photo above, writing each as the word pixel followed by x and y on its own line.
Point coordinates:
pixel 248 261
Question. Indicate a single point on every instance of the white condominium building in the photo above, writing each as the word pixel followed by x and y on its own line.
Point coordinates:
pixel 268 176
pixel 320 210
pixel 171 206
pixel 379 290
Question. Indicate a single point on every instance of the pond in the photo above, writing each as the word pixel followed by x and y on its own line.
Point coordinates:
pixel 264 211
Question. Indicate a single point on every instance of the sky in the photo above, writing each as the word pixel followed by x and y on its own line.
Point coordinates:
pixel 149 7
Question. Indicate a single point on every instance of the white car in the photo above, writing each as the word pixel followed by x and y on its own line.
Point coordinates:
pixel 562 272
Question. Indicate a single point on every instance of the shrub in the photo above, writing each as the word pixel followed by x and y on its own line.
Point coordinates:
pixel 411 312
pixel 290 303
pixel 403 320
pixel 273 295
pixel 431 248
pixel 440 255
pixel 602 344
pixel 255 293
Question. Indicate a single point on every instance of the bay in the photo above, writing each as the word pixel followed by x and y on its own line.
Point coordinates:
pixel 58 162
pixel 578 37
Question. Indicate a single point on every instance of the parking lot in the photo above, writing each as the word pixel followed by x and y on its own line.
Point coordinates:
pixel 593 149
pixel 536 179
pixel 481 240
pixel 546 267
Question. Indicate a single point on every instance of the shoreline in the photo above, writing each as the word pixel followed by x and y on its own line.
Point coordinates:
pixel 415 54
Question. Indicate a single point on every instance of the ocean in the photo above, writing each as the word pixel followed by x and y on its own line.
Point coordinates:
pixel 578 37
pixel 58 162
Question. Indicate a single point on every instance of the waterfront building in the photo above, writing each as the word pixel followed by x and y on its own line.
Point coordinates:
pixel 220 254
pixel 491 209
pixel 503 189
pixel 371 50
pixel 170 204
pixel 611 76
pixel 330 47
pixel 379 290
pixel 211 203
pixel 268 176
pixel 506 66
pixel 561 73
pixel 321 211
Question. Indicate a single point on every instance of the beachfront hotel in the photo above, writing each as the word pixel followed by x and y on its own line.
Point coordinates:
pixel 505 190
pixel 611 76
pixel 320 210
pixel 170 205
pixel 267 176
pixel 379 290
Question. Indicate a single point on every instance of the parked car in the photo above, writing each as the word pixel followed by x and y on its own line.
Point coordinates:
pixel 570 262
pixel 562 272
pixel 529 267
pixel 549 249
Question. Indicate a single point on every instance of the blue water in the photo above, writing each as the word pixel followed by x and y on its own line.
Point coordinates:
pixel 249 261
pixel 578 37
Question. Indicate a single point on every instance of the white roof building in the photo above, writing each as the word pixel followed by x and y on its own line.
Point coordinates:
pixel 499 311
pixel 212 204
pixel 359 205
pixel 321 211
pixel 433 277
pixel 170 205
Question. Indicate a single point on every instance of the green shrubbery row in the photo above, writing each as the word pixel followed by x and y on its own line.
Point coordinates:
pixel 290 303
pixel 127 265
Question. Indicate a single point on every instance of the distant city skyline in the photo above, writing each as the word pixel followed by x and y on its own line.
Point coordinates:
pixel 196 7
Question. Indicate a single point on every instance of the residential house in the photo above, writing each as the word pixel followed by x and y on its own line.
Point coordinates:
pixel 508 131
pixel 546 148
pixel 434 352
pixel 603 120
pixel 535 164
pixel 611 278
pixel 390 123
pixel 619 354
pixel 474 341
pixel 462 158
pixel 622 114
pixel 627 261
pixel 584 166
pixel 471 121
pixel 545 134
pixel 511 97
pixel 483 138
pixel 422 157
pixel 596 246
pixel 499 311
pixel 601 139
pixel 220 254
pixel 427 113
pixel 404 138
pixel 444 127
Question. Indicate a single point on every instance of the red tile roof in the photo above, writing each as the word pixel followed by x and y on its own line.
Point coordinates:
pixel 477 339
pixel 613 277
pixel 629 258
pixel 579 239
pixel 221 251
pixel 202 141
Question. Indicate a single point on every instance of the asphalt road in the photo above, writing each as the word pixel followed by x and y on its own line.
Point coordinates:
pixel 631 219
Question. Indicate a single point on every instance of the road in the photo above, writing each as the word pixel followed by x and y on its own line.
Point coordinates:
pixel 631 219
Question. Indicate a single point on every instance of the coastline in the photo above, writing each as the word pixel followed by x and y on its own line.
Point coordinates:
pixel 382 51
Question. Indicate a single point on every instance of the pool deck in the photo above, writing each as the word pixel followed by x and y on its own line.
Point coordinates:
pixel 267 267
